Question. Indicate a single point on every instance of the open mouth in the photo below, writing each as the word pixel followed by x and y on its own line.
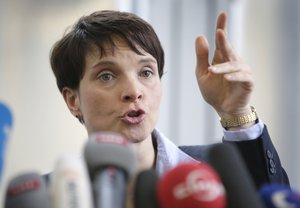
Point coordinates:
pixel 134 116
pixel 134 113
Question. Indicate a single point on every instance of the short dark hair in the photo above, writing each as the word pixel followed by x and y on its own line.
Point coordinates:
pixel 100 29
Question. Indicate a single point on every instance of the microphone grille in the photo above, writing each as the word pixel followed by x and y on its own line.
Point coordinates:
pixel 27 191
pixel 109 148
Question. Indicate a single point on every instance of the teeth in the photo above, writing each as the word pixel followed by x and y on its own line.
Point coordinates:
pixel 133 114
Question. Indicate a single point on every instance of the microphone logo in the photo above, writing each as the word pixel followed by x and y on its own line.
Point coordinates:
pixel 23 187
pixel 110 137
pixel 72 190
pixel 199 185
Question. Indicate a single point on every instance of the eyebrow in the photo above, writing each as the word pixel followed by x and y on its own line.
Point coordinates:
pixel 147 60
pixel 112 63
pixel 103 63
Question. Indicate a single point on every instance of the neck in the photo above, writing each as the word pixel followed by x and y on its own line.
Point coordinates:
pixel 145 154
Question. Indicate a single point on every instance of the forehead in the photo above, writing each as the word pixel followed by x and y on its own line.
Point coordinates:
pixel 110 49
pixel 99 55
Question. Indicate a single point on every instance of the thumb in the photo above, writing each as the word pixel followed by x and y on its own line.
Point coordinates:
pixel 202 54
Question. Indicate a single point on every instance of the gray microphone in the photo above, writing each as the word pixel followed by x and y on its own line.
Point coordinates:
pixel 27 190
pixel 240 188
pixel 111 161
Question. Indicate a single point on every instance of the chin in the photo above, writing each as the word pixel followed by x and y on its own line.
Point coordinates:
pixel 135 137
pixel 136 140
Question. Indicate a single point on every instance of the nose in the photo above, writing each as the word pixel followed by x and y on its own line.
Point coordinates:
pixel 132 92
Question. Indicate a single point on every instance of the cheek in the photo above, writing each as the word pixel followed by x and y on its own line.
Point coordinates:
pixel 91 102
pixel 156 96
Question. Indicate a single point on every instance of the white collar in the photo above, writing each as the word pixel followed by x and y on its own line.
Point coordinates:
pixel 168 154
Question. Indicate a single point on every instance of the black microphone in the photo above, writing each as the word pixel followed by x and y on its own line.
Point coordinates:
pixel 27 190
pixel 145 189
pixel 111 161
pixel 238 183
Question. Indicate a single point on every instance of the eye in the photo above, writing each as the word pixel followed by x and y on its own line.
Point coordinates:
pixel 146 72
pixel 105 76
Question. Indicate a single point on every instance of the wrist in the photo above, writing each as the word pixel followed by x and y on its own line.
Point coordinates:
pixel 240 121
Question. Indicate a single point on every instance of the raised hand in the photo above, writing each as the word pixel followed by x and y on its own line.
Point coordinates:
pixel 227 83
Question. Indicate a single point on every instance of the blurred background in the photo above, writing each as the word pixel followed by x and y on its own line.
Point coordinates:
pixel 265 33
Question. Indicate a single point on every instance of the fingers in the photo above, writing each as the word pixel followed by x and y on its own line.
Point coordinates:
pixel 233 71
pixel 239 77
pixel 221 39
pixel 220 26
pixel 224 46
pixel 222 21
pixel 202 53
pixel 229 67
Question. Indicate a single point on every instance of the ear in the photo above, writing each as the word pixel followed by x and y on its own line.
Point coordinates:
pixel 72 100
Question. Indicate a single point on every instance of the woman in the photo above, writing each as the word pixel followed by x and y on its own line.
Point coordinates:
pixel 109 66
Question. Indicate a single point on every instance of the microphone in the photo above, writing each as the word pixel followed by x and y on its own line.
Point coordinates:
pixel 6 122
pixel 191 185
pixel 240 189
pixel 110 160
pixel 279 196
pixel 145 195
pixel 70 184
pixel 27 191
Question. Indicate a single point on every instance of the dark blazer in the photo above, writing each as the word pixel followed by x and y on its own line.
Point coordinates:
pixel 259 155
